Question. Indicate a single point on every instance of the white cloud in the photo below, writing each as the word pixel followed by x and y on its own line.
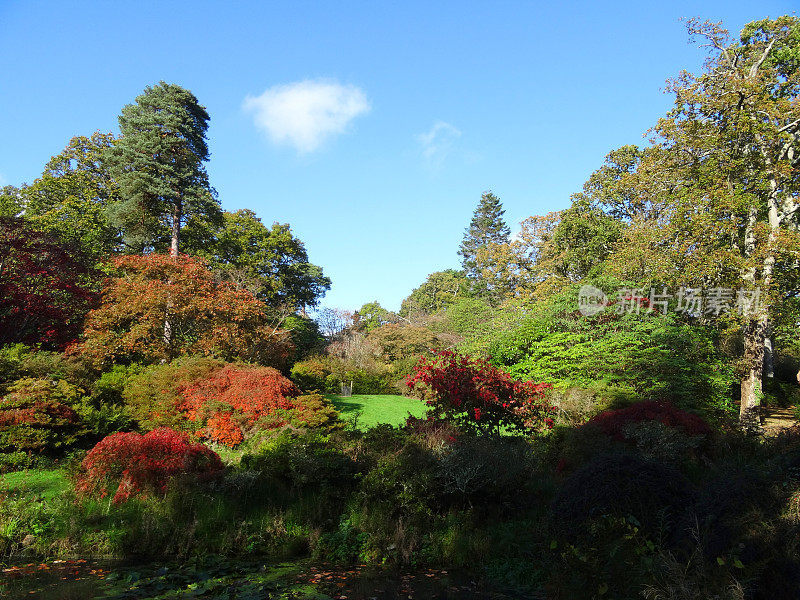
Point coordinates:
pixel 437 142
pixel 304 114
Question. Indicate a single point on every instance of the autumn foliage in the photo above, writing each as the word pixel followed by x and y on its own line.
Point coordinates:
pixel 203 316
pixel 477 395
pixel 236 399
pixel 223 403
pixel 131 464
pixel 45 287
pixel 612 422
pixel 38 415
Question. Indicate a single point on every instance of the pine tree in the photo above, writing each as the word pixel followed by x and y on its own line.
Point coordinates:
pixel 487 226
pixel 158 167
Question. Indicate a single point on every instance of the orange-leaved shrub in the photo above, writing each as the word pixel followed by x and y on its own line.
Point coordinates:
pixel 223 403
pixel 131 464
pixel 237 400
pixel 158 307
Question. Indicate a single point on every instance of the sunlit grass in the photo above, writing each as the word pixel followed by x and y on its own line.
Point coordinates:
pixel 371 410
pixel 34 482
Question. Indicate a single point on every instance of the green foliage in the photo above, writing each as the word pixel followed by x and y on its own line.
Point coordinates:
pixel 11 357
pixel 582 240
pixel 371 316
pixel 651 356
pixel 305 335
pixel 41 415
pixel 438 291
pixel 302 461
pixel 468 318
pixel 364 380
pixel 269 262
pixel 314 411
pixel 153 394
pixel 311 374
pixel 12 201
pixel 402 341
pixel 71 197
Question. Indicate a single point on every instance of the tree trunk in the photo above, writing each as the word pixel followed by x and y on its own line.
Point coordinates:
pixel 168 334
pixel 176 233
pixel 769 355
pixel 176 227
pixel 749 408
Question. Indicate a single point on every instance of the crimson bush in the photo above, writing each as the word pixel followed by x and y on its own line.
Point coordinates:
pixel 130 464
pixel 612 422
pixel 475 394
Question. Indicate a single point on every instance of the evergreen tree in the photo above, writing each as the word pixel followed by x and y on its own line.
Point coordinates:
pixel 158 167
pixel 487 226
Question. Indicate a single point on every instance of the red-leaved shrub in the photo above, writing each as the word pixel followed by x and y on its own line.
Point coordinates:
pixel 130 464
pixel 612 422
pixel 475 394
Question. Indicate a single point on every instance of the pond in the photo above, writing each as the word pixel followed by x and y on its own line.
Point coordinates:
pixel 217 579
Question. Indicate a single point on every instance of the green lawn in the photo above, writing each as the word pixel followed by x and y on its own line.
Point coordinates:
pixel 34 482
pixel 372 410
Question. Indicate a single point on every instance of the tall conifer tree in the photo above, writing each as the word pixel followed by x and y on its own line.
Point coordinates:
pixel 158 167
pixel 487 226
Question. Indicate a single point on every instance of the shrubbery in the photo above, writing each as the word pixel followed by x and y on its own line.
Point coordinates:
pixel 613 422
pixel 616 357
pixel 130 464
pixel 478 396
pixel 327 374
pixel 310 374
pixel 40 415
pixel 223 403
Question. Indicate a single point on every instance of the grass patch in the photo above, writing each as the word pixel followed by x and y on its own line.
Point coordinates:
pixel 35 482
pixel 372 410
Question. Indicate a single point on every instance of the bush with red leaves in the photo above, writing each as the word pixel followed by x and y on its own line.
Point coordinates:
pixel 476 395
pixel 46 287
pixel 131 464
pixel 612 422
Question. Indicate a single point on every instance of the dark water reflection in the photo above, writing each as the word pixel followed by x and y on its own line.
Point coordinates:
pixel 218 579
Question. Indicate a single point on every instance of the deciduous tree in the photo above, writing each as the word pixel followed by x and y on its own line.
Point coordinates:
pixel 729 153
pixel 72 196
pixel 209 318
pixel 46 286
pixel 270 262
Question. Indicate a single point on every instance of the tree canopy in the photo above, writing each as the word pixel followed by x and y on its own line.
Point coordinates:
pixel 271 263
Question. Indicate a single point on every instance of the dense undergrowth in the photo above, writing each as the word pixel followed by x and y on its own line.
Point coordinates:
pixel 578 512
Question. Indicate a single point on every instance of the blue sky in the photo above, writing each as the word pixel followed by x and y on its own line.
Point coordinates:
pixel 371 127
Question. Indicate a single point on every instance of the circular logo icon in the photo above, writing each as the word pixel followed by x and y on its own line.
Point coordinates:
pixel 591 300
